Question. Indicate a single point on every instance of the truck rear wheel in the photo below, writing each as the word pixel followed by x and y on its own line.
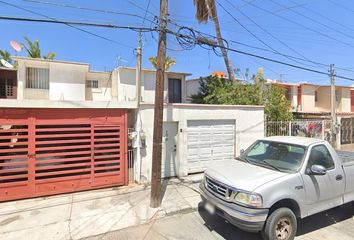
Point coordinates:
pixel 280 225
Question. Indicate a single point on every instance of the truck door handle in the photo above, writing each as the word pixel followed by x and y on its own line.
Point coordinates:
pixel 339 177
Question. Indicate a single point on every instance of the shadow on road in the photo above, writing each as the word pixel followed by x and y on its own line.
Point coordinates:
pixel 307 225
pixel 325 219
pixel 223 228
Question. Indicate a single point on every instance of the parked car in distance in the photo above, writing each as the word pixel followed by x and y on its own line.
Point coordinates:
pixel 276 181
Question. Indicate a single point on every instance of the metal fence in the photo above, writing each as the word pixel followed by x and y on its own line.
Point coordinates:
pixel 347 131
pixel 131 169
pixel 304 128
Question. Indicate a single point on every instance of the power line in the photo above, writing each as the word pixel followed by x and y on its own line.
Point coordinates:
pixel 67 24
pixel 325 17
pixel 250 32
pixel 141 8
pixel 315 21
pixel 340 5
pixel 277 10
pixel 146 12
pixel 78 23
pixel 333 21
pixel 281 54
pixel 302 25
pixel 266 31
pixel 180 36
pixel 88 9
pixel 250 46
pixel 259 56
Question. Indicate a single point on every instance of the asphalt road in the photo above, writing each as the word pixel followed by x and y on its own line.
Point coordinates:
pixel 337 223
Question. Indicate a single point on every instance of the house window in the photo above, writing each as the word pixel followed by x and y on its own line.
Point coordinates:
pixel 8 84
pixel 91 83
pixel 288 94
pixel 316 96
pixel 37 78
pixel 174 90
pixel 7 88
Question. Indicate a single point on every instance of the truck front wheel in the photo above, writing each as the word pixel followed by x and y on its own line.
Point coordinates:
pixel 280 225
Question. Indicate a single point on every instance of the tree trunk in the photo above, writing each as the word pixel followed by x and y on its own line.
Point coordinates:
pixel 222 46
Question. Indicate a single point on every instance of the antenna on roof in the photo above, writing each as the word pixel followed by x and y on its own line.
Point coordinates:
pixel 17 47
pixel 6 63
pixel 120 61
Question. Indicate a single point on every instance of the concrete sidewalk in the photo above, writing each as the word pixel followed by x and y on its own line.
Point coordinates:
pixel 84 214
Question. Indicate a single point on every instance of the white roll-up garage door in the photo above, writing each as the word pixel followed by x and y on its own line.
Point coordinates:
pixel 209 141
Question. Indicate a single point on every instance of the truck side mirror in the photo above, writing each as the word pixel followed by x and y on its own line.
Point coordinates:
pixel 318 170
pixel 242 151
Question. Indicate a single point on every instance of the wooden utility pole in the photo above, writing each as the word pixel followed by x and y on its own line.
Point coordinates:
pixel 155 198
pixel 333 108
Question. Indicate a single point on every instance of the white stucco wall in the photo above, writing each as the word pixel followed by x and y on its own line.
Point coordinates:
pixel 192 87
pixel 308 98
pixel 345 100
pixel 293 101
pixel 127 87
pixel 67 81
pixel 249 127
pixel 103 92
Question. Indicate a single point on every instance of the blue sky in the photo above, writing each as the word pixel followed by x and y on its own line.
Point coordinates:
pixel 319 30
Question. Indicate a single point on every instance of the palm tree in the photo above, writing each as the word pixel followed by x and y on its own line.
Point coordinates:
pixel 50 56
pixel 6 56
pixel 32 48
pixel 206 9
pixel 169 62
pixel 34 51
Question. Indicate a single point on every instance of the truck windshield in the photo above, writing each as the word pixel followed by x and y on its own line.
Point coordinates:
pixel 281 156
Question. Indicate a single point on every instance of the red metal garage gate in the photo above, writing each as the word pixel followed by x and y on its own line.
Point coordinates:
pixel 51 151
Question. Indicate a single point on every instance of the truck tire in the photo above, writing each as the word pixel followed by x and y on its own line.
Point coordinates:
pixel 280 225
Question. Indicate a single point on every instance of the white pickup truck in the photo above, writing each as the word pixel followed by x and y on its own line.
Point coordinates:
pixel 277 180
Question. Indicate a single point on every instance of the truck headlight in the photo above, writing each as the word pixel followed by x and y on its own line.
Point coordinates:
pixel 249 199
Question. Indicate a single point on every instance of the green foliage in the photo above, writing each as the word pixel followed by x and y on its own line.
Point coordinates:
pixel 214 90
pixel 34 51
pixel 276 106
pixel 169 62
pixel 50 56
pixel 6 56
pixel 32 48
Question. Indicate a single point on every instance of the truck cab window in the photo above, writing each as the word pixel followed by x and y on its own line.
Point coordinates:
pixel 320 156
pixel 284 156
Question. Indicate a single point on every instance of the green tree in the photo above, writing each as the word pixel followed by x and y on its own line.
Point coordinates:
pixel 214 90
pixel 169 62
pixel 276 106
pixel 6 56
pixel 50 56
pixel 34 51
pixel 206 9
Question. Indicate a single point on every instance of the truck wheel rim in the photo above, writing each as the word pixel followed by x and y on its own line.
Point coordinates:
pixel 283 229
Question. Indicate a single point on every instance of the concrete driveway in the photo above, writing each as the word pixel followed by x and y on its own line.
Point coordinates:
pixel 337 223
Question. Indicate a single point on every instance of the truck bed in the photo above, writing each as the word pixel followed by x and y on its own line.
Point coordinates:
pixel 346 157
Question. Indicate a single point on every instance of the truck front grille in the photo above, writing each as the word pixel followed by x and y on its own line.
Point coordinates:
pixel 218 188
